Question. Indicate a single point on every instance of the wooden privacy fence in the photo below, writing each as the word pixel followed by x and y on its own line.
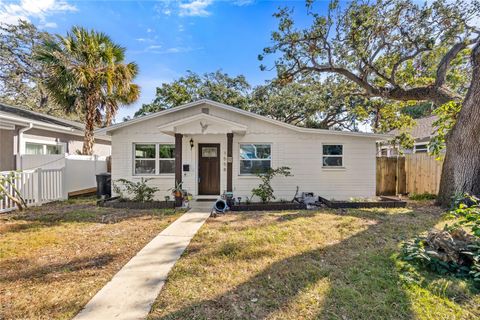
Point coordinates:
pixel 36 187
pixel 414 174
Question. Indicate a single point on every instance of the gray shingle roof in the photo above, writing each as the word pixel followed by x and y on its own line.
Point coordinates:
pixel 39 117
pixel 423 128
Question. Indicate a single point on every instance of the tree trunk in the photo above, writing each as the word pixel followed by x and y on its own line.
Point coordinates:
pixel 88 140
pixel 461 167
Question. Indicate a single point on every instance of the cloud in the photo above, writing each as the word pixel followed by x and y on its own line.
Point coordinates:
pixel 196 8
pixel 145 40
pixel 12 11
pixel 49 25
pixel 242 3
pixel 185 8
pixel 154 47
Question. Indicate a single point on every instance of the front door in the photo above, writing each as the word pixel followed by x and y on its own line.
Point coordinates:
pixel 209 169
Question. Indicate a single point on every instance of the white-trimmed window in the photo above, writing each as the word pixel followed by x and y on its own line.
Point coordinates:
pixel 44 148
pixel 332 155
pixel 255 158
pixel 154 158
pixel 420 148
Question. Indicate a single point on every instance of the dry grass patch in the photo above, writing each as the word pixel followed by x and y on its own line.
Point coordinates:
pixel 54 258
pixel 306 265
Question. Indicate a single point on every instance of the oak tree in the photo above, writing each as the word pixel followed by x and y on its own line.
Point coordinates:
pixel 397 50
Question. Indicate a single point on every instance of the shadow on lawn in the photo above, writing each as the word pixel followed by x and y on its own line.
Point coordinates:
pixel 40 272
pixel 363 281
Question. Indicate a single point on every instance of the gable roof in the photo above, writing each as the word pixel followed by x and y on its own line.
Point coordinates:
pixel 422 130
pixel 242 112
pixel 39 117
pixel 11 116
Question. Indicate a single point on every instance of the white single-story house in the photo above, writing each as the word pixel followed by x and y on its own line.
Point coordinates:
pixel 213 148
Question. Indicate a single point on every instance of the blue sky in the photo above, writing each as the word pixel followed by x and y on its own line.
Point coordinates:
pixel 167 38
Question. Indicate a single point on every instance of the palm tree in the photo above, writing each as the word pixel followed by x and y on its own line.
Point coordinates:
pixel 87 73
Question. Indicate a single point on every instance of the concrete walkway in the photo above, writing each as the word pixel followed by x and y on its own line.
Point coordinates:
pixel 131 292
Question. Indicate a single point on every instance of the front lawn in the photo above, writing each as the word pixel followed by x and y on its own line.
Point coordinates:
pixel 325 264
pixel 54 258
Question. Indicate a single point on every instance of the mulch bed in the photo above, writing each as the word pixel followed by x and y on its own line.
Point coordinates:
pixel 390 203
pixel 275 206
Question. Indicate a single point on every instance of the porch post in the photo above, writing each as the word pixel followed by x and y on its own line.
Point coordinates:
pixel 178 165
pixel 229 161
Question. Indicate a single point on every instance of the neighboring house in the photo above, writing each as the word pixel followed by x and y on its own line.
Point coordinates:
pixel 422 132
pixel 24 132
pixel 212 148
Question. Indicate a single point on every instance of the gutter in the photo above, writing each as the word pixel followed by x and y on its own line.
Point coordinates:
pixel 20 149
pixel 38 124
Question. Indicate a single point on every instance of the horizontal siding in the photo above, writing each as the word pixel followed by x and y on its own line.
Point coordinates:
pixel 301 152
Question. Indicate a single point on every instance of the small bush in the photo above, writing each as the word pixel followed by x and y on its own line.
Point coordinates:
pixel 139 191
pixel 265 191
pixel 422 196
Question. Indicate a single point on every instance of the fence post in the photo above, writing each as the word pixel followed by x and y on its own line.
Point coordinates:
pixel 95 163
pixel 64 182
pixel 38 189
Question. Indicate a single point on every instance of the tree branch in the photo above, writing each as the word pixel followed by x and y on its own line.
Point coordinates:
pixel 446 60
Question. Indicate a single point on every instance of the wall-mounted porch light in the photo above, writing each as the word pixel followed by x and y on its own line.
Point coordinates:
pixel 191 143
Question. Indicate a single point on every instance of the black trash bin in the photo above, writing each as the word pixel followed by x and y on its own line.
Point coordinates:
pixel 104 185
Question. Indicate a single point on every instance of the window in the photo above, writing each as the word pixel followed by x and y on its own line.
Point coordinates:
pixel 166 154
pixel 332 155
pixel 209 152
pixel 42 148
pixel 147 156
pixel 255 158
pixel 420 148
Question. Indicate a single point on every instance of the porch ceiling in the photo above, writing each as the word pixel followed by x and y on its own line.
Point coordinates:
pixel 203 124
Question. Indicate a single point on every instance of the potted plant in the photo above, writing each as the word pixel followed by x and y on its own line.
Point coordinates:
pixel 177 191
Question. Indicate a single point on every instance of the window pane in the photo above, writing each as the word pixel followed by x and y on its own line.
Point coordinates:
pixel 255 151
pixel 144 166
pixel 167 166
pixel 209 152
pixel 145 151
pixel 332 161
pixel 421 148
pixel 332 149
pixel 166 151
pixel 54 149
pixel 33 148
pixel 254 166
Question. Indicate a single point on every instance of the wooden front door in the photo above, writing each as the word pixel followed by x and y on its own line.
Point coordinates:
pixel 209 169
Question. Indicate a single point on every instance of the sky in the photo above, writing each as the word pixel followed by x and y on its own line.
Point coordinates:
pixel 167 38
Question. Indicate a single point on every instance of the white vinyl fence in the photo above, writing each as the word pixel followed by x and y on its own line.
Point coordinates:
pixel 36 187
pixel 46 178
pixel 80 170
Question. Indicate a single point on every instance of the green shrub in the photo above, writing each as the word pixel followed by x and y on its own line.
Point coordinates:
pixel 422 196
pixel 467 210
pixel 140 191
pixel 452 251
pixel 265 191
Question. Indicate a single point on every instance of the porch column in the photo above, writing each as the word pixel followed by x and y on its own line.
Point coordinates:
pixel 178 164
pixel 229 161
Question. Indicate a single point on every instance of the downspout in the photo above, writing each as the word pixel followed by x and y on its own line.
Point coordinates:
pixel 19 144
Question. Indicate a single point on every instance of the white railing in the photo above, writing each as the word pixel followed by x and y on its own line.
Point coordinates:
pixel 36 187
